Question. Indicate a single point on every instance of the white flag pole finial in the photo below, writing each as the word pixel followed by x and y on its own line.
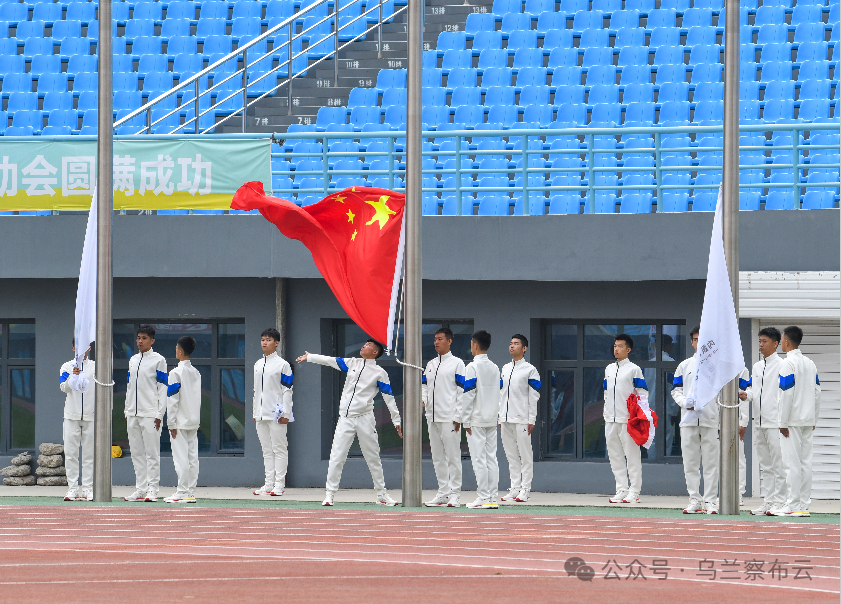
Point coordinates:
pixel 720 357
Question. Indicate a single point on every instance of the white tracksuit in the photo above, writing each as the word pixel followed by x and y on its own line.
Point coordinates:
pixel 479 412
pixel 798 406
pixel 762 396
pixel 78 422
pixel 356 416
pixel 146 402
pixel 183 414
pixel 620 380
pixel 518 395
pixel 442 385
pixel 744 419
pixel 273 386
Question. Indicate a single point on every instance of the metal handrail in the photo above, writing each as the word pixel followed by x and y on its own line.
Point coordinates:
pixel 242 50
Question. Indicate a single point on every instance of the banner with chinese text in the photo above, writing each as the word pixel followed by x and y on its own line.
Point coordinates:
pixel 178 174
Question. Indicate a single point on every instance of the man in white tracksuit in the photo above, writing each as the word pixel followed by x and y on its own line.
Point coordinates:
pixel 442 385
pixel 79 405
pixel 762 394
pixel 272 412
pixel 356 415
pixel 799 406
pixel 700 444
pixel 479 416
pixel 621 379
pixel 518 396
pixel 144 411
pixel 183 417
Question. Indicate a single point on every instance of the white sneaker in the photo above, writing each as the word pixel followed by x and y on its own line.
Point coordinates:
pixel 802 514
pixel 151 495
pixel 328 499
pixel 493 505
pixel 511 495
pixel 72 494
pixel 437 501
pixel 176 498
pixel 631 497
pixel 618 498
pixel 263 490
pixel 454 501
pixel 710 508
pixel 781 511
pixel 523 495
pixel 761 510
pixel 138 495
pixel 741 501
pixel 694 507
pixel 86 494
pixel 483 504
pixel 277 490
pixel 385 499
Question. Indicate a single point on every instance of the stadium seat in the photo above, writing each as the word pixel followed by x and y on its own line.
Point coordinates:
pixel 669 55
pixel 17 82
pixel 674 113
pixel 814 110
pixel 461 96
pixel 604 93
pixel 37 46
pixel 629 39
pixel 628 18
pixel 22 101
pixel 479 23
pixel 571 7
pixel 749 201
pixel 154 65
pixel 587 20
pixel 490 58
pixel 664 36
pixel 672 73
pixel 565 202
pixel 594 38
pixel 570 94
pixel 701 36
pixel 566 76
pixel 52 82
pixel 63 30
pixel 809 32
pixel 522 39
pixel 708 91
pixel 814 70
pixel 814 200
pixel 636 74
pixel 748 111
pixel 601 74
pixel 449 40
pixel 660 17
pixel 639 115
pixel 605 115
pixel 673 91
pixel 47 12
pixel 707 73
pixel 456 78
pixel 635 203
pixel 14 12
pixel 32 119
pixel 485 40
pixel 181 45
pixel 531 76
pixel 144 46
pixel 454 59
pixel 497 76
pixel 814 89
pixel 141 28
pixel 549 20
pixel 811 51
pixel 391 78
pixel 781 199
pixel 600 56
pixel 773 34
pixel 638 93
pixel 776 52
pixel 42 64
pixel 82 82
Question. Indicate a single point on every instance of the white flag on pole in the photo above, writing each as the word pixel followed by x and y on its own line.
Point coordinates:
pixel 85 329
pixel 720 357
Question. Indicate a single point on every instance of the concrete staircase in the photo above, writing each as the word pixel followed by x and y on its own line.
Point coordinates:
pixel 358 68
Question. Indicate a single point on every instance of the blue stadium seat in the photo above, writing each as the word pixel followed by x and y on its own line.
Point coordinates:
pixel 815 110
pixel 550 20
pixel 587 20
pixel 503 114
pixel 125 99
pixel 708 113
pixel 601 74
pixel 29 29
pixel 251 9
pixel 601 56
pixel 675 113
pixel 571 7
pixel 805 13
pixel 55 100
pixel 565 202
pixel 672 73
pixel 709 72
pixel 454 59
pixel 566 76
pixel 701 35
pixel 22 101
pixel 748 111
pixel 781 199
pixel 13 12
pixel 122 64
pixel 709 91
pixel 395 116
pixel 675 201
pixel 52 82
pixel 492 58
pixel 366 97
pixel 181 9
pixel 811 51
pixel 470 115
pixel 47 12
pixel 154 64
pixel 28 118
pixel 710 4
pixel 775 71
pixel 151 11
pixel 635 203
pixel 677 5
pixel 181 45
pixel 636 74
pixel 638 93
pixel 697 17
pixel 629 38
pixel 628 18
pixel 562 57
pixel 814 70
pixel 705 54
pixel 432 115
pixel 773 34
pixel 63 30
pixel 82 82
pixel 704 200
pixel 63 117
pixel 536 7
pixel 605 115
pixel 594 38
pixel 776 52
pixel 531 76
pixel 607 6
pixel 469 95
pixel 456 78
pixel 141 28
pixel 660 17
pixel 664 36
pixel 815 200
pixel 37 46
pixel 144 46
pixel 500 7
pixel 523 39
pixel 477 22
pixel 215 10
pixel 538 114
pixel 673 91
pixel 639 115
pixel 17 82
pixel 814 89
pixel 749 201
pixel 432 97
pixel 779 90
pixel 512 22
pixel 391 78
pixel 430 59
pixel 331 115
pixel 212 27
pixel 486 40
pixel 528 57
pixel 810 32
pixel 570 94
pixel 669 55
pixel 603 93
pixel 499 95
pixel 124 81
pixel 42 64
pixel 451 40
pixel 175 27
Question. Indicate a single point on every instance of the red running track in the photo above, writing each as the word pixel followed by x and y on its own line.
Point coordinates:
pixel 146 554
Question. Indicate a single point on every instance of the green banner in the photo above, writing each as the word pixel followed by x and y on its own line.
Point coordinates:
pixel 179 174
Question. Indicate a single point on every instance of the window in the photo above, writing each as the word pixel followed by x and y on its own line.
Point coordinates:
pixel 349 338
pixel 17 385
pixel 220 358
pixel 574 357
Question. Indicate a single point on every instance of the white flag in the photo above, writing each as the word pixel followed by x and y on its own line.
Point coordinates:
pixel 85 329
pixel 720 357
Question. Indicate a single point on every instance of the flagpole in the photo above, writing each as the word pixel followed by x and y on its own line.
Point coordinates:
pixel 105 204
pixel 412 331
pixel 729 428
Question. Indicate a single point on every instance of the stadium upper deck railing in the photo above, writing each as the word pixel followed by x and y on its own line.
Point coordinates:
pixel 218 94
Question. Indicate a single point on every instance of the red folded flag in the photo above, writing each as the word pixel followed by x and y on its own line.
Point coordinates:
pixel 356 239
pixel 641 416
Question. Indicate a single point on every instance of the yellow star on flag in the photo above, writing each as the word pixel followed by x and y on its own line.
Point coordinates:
pixel 340 199
pixel 350 216
pixel 382 211
pixel 353 237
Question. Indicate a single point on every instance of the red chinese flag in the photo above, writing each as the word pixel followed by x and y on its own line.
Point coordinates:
pixel 356 239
